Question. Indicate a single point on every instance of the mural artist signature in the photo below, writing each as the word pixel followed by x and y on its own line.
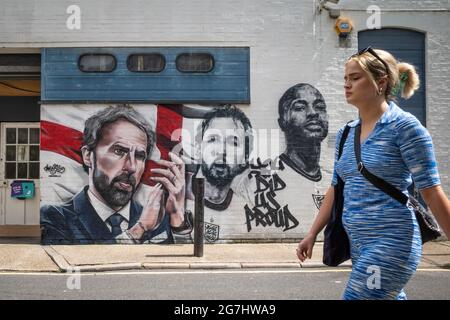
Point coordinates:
pixel 55 170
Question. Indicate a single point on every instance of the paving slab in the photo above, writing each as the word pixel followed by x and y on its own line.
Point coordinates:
pixel 230 253
pixel 25 258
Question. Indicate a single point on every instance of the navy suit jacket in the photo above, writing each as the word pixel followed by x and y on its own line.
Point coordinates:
pixel 77 222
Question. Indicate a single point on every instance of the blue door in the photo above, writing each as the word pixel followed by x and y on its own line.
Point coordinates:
pixel 407 46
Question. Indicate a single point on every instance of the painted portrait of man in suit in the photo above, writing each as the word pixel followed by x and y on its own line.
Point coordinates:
pixel 117 142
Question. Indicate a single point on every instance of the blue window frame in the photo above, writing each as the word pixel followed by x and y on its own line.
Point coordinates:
pixel 97 62
pixel 195 62
pixel 146 62
pixel 227 79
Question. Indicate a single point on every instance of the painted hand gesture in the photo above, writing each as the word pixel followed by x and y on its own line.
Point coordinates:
pixel 152 214
pixel 173 180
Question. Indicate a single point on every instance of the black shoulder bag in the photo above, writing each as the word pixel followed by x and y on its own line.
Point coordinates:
pixel 429 229
pixel 336 246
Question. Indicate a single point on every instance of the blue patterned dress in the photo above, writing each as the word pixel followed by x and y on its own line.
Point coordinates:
pixel 384 235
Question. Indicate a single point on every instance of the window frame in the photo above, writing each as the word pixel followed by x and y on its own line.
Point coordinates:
pixel 3 147
pixel 192 53
pixel 96 54
pixel 147 54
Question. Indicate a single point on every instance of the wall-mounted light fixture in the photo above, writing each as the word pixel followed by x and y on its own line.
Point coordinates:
pixel 333 12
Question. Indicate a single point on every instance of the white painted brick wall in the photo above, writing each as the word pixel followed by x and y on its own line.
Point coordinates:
pixel 289 44
pixel 437 45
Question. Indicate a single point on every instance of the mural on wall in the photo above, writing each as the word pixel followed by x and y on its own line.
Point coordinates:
pixel 124 174
pixel 112 149
pixel 303 118
pixel 223 148
pixel 287 194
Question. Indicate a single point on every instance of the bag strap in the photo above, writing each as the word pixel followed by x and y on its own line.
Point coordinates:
pixel 381 184
pixel 342 141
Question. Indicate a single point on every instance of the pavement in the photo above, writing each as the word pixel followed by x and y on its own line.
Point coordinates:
pixel 18 255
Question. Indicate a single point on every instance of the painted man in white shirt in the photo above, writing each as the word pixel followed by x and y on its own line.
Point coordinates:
pixel 224 143
pixel 304 120
pixel 288 192
pixel 225 149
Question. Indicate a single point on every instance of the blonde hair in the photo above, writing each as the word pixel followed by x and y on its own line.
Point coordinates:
pixel 401 76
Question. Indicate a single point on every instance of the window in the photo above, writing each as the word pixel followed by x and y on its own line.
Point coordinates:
pixel 22 153
pixel 195 62
pixel 152 62
pixel 97 63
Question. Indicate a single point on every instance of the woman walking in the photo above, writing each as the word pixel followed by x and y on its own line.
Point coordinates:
pixel 383 233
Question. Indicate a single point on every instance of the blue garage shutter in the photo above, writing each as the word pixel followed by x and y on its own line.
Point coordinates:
pixel 407 46
pixel 147 75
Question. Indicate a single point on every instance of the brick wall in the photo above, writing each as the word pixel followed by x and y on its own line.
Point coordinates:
pixel 289 43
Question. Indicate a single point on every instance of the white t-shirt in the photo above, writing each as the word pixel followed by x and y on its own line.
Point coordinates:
pixel 266 203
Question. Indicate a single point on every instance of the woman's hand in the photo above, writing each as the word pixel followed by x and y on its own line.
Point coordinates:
pixel 305 247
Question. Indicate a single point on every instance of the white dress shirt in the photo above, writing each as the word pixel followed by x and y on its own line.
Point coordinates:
pixel 105 212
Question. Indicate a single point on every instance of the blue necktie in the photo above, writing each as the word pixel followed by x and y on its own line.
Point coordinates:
pixel 114 221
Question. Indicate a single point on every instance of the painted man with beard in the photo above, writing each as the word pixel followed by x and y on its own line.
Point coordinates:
pixel 225 149
pixel 116 144
pixel 303 119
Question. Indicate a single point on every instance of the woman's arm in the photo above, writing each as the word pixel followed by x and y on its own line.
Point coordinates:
pixel 305 247
pixel 324 213
pixel 439 204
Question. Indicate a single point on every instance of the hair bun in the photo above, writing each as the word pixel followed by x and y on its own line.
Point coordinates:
pixel 408 81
